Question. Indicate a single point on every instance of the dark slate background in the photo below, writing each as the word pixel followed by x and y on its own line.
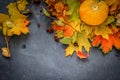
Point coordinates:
pixel 38 57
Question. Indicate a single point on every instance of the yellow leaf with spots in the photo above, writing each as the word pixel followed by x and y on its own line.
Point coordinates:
pixel 20 27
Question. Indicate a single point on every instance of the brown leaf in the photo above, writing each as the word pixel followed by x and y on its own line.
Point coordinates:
pixel 5 52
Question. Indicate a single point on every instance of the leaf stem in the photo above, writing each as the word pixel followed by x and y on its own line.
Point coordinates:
pixel 7 43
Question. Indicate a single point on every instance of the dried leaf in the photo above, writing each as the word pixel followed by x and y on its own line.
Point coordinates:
pixel 110 2
pixel 5 52
pixel 81 55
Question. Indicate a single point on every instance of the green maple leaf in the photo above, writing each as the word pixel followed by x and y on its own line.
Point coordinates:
pixel 82 40
pixel 73 11
pixel 88 29
pixel 66 40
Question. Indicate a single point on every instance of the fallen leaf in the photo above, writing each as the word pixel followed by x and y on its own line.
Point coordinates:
pixel 81 55
pixel 103 30
pixel 69 50
pixel 82 40
pixel 46 12
pixel 68 31
pixel 5 52
pixel 66 40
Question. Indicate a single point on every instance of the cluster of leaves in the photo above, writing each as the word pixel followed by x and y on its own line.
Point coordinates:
pixel 71 31
pixel 13 23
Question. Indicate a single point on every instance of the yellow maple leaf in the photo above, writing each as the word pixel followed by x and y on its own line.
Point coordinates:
pixel 22 4
pixel 82 40
pixel 103 30
pixel 69 50
pixel 20 26
pixel 3 17
pixel 88 29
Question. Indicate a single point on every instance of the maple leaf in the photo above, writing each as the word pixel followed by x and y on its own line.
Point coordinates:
pixel 82 40
pixel 68 31
pixel 58 28
pixel 66 40
pixel 107 44
pixel 118 19
pixel 88 29
pixel 59 6
pixel 73 11
pixel 21 4
pixel 3 17
pixel 103 30
pixel 81 55
pixel 69 50
pixel 20 26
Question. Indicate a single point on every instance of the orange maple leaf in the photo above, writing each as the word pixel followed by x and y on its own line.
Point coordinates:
pixel 81 55
pixel 69 31
pixel 107 44
pixel 57 28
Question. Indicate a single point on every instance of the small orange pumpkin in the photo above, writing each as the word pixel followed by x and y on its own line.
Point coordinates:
pixel 92 12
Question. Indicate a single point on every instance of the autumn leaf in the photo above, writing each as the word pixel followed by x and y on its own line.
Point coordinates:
pixel 110 2
pixel 3 17
pixel 103 30
pixel 22 4
pixel 60 22
pixel 59 6
pixel 82 40
pixel 81 55
pixel 46 12
pixel 68 31
pixel 66 40
pixel 59 34
pixel 73 11
pixel 20 26
pixel 69 50
pixel 5 52
pixel 109 20
pixel 106 44
pixel 88 29
pixel 58 28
